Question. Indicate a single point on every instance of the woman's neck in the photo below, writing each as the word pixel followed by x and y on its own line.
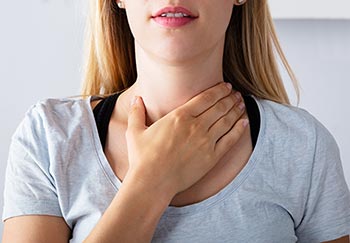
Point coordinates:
pixel 166 86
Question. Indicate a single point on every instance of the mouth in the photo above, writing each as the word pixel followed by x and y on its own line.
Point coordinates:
pixel 174 12
pixel 173 17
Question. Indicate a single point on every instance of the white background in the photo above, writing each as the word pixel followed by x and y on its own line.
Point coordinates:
pixel 40 57
pixel 334 9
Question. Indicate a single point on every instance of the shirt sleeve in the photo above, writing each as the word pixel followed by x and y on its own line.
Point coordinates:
pixel 327 210
pixel 29 187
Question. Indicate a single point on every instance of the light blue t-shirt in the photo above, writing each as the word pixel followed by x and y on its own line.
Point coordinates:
pixel 292 188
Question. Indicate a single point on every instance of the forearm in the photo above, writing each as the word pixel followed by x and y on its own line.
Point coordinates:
pixel 132 216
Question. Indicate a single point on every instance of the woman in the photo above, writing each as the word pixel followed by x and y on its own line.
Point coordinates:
pixel 167 154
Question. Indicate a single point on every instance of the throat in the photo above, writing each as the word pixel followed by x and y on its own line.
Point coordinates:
pixel 166 84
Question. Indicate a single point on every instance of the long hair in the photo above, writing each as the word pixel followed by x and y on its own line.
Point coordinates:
pixel 249 61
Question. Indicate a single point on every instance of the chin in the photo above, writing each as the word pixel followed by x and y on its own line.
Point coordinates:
pixel 174 50
pixel 177 54
pixel 178 60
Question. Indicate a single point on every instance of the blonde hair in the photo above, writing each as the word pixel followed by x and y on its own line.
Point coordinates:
pixel 249 60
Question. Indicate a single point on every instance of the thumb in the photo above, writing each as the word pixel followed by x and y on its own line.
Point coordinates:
pixel 137 115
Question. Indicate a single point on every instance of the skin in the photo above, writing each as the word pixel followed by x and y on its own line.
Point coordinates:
pixel 170 62
pixel 176 93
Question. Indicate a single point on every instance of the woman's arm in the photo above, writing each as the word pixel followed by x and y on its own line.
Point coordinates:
pixel 344 239
pixel 133 214
pixel 36 228
pixel 132 217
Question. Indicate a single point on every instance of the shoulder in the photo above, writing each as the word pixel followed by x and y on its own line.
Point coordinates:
pixel 57 110
pixel 50 117
pixel 52 107
pixel 294 121
pixel 293 134
pixel 285 114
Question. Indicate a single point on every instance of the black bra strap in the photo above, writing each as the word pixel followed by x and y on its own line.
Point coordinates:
pixel 254 118
pixel 104 109
pixel 103 112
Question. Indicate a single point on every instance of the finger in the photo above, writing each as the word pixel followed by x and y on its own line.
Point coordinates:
pixel 228 140
pixel 203 101
pixel 220 109
pixel 225 123
pixel 137 115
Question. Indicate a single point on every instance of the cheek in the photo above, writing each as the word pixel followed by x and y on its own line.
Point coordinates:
pixel 218 19
pixel 214 24
pixel 137 15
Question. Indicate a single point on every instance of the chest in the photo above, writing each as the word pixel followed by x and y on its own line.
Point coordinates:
pixel 240 217
pixel 245 213
pixel 250 221
pixel 214 181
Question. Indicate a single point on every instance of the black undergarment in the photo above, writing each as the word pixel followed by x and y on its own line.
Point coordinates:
pixel 104 109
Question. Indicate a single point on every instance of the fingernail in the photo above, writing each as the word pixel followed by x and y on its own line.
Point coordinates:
pixel 245 122
pixel 229 86
pixel 241 106
pixel 238 95
pixel 133 101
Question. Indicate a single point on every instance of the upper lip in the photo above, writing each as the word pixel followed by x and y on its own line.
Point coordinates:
pixel 174 9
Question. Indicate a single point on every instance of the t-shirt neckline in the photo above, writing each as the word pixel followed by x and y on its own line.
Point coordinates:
pixel 203 205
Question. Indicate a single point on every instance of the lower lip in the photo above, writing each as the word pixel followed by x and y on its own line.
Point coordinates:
pixel 172 22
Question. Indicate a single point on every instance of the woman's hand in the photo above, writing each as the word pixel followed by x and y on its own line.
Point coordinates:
pixel 180 148
pixel 166 158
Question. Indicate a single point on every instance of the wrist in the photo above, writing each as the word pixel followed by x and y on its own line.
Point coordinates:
pixel 133 215
pixel 150 190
